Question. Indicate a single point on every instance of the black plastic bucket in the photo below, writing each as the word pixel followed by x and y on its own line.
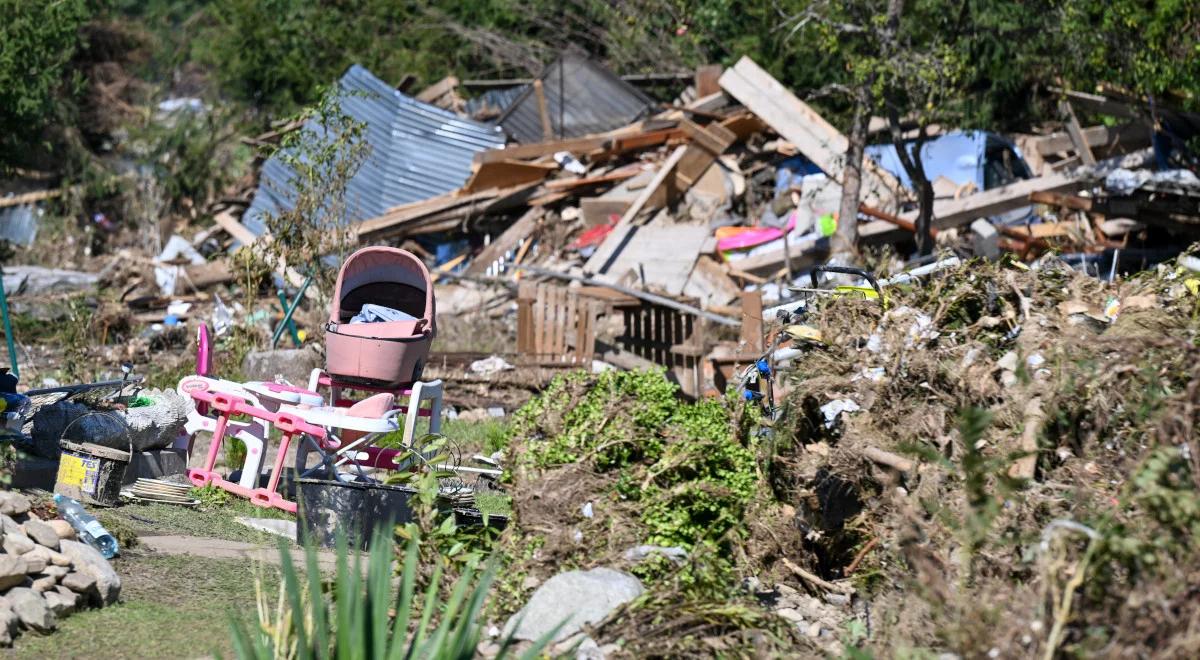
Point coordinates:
pixel 354 509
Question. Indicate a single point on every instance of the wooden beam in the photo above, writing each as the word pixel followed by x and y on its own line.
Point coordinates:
pixel 1059 199
pixel 437 90
pixel 955 212
pixel 1078 142
pixel 506 174
pixel 539 92
pixel 507 240
pixel 606 254
pixel 707 79
pixel 799 124
pixel 528 151
pixel 1132 135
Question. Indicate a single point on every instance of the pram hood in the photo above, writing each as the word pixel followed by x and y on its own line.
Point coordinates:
pixel 383 265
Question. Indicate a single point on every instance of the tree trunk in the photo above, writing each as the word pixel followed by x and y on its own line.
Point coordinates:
pixel 915 168
pixel 845 241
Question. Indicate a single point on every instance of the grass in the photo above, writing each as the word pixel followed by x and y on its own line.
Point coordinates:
pixel 171 607
pixel 212 521
pixel 493 504
pixel 483 437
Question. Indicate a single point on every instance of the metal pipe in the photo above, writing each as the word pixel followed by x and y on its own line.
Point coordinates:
pixel 8 332
pixel 287 315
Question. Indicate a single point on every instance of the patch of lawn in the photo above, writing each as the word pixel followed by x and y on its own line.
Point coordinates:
pixel 216 521
pixel 493 503
pixel 171 607
pixel 483 437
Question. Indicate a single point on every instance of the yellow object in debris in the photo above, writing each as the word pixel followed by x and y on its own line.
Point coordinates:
pixel 1193 286
pixel 302 335
pixel 804 333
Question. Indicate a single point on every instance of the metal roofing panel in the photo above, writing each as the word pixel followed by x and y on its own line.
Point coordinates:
pixel 592 100
pixel 417 151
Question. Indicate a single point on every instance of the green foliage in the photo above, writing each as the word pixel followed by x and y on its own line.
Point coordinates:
pixel 685 465
pixel 613 419
pixel 37 42
pixel 1146 47
pixel 211 496
pixel 363 616
pixel 322 158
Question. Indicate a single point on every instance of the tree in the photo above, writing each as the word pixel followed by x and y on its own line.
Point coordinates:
pixel 37 42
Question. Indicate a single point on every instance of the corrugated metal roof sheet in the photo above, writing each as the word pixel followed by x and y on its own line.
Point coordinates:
pixel 494 101
pixel 418 151
pixel 592 100
pixel 19 224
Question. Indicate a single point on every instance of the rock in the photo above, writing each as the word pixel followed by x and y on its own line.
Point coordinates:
pixel 89 561
pixel 643 552
pixel 16 543
pixel 31 608
pixel 9 525
pixel 58 572
pixel 59 604
pixel 588 649
pixel 791 614
pixel 573 598
pixel 10 623
pixel 42 533
pixel 62 528
pixel 12 571
pixel 13 503
pixel 813 630
pixel 293 364
pixel 156 426
pixel 34 563
pixel 43 583
pixel 52 558
pixel 82 584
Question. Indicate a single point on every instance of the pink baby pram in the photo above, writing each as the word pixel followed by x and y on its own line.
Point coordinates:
pixel 380 353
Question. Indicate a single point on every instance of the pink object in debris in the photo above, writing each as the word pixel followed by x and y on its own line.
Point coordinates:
pixel 390 353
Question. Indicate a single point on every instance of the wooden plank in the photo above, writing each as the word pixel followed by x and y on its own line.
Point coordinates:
pixel 1131 135
pixel 956 212
pixel 438 89
pixel 799 124
pixel 217 271
pixel 752 321
pixel 243 235
pixel 585 341
pixel 506 174
pixel 507 240
pixel 610 177
pixel 526 298
pixel 558 327
pixel 1062 200
pixel 234 228
pixel 539 93
pixel 527 151
pixel 640 295
pixel 707 144
pixel 708 79
pixel 539 321
pixel 612 246
pixel 570 327
pixel 1078 142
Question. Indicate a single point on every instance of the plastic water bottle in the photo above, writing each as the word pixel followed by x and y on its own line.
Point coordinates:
pixel 89 529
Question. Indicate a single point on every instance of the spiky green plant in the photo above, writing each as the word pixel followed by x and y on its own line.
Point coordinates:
pixel 358 617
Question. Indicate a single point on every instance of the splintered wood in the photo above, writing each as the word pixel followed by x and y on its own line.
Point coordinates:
pixel 555 325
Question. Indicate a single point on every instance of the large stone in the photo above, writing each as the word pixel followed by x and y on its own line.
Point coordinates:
pixel 82 584
pixel 43 583
pixel 62 528
pixel 13 503
pixel 10 623
pixel 59 604
pixel 9 525
pixel 89 561
pixel 32 609
pixel 42 533
pixel 16 543
pixel 573 598
pixel 52 558
pixel 12 571
pixel 292 364
pixel 158 425
pixel 35 563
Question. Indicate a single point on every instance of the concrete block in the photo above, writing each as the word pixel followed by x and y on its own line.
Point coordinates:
pixel 985 240
pixel 156 464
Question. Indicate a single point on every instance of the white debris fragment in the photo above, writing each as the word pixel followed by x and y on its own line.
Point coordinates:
pixel 835 408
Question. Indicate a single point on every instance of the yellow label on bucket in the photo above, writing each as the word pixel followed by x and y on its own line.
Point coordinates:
pixel 79 472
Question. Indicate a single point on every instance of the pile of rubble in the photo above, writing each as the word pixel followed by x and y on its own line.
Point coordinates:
pixel 45 574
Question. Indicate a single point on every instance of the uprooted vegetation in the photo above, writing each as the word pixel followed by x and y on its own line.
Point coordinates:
pixel 1020 476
